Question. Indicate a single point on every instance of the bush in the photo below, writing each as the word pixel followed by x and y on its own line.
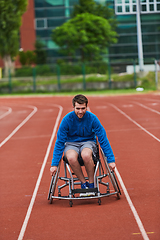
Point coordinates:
pixel 148 82
pixel 23 72
pixel 45 70
pixel 27 58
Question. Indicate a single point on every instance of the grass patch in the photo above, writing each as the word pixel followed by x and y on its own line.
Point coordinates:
pixel 25 85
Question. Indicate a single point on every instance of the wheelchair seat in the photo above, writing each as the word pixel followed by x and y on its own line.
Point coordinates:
pixel 101 188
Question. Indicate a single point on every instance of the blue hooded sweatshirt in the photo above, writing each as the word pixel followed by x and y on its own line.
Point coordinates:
pixel 74 129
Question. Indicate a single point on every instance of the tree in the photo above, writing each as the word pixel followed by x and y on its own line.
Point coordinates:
pixel 27 58
pixel 86 33
pixel 40 52
pixel 10 22
pixel 102 10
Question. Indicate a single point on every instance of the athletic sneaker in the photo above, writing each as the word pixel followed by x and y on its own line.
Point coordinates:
pixel 90 185
pixel 84 185
pixel 87 185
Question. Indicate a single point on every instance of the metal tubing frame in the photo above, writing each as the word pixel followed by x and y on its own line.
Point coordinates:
pixel 70 181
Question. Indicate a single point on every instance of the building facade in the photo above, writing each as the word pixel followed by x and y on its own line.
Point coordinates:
pixel 52 13
pixel 43 16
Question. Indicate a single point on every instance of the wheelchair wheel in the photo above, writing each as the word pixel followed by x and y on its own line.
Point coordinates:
pixel 53 184
pixel 50 188
pixel 116 183
pixel 111 176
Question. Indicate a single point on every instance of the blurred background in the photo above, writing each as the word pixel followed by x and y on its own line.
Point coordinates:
pixel 66 45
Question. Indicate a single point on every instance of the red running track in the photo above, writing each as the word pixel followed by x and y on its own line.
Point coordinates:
pixel 27 135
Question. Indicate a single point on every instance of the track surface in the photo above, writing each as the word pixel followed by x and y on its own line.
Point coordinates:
pixel 27 136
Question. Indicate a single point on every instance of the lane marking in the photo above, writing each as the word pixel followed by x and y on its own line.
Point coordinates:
pixel 140 233
pixel 24 226
pixel 155 111
pixel 8 112
pixel 30 137
pixel 133 209
pixel 127 105
pixel 134 122
pixel 154 104
pixel 131 129
pixel 136 216
pixel 19 126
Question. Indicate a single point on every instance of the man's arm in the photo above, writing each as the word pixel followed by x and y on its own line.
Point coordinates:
pixel 60 143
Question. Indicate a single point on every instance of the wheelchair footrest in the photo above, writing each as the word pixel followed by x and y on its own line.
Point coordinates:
pixel 95 190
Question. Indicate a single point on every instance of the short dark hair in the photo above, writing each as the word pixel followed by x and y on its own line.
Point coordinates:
pixel 79 99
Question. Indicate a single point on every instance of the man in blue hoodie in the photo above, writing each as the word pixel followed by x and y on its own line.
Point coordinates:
pixel 77 136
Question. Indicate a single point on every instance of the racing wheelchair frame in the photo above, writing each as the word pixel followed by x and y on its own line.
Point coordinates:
pixel 101 188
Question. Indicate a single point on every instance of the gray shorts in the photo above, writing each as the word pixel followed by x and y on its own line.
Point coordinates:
pixel 79 146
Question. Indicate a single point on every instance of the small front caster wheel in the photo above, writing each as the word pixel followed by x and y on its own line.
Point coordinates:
pixel 70 203
pixel 99 201
pixel 51 200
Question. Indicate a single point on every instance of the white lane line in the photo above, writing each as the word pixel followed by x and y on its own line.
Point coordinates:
pixel 134 122
pixel 6 113
pixel 19 126
pixel 136 216
pixel 140 104
pixel 24 226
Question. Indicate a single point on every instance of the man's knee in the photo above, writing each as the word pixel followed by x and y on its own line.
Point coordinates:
pixel 71 156
pixel 86 154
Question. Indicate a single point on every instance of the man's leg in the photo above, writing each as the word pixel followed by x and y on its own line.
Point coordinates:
pixel 72 157
pixel 88 163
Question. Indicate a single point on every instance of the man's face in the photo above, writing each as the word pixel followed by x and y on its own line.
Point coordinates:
pixel 80 109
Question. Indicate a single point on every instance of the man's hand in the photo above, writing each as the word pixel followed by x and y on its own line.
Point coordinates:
pixel 53 170
pixel 112 166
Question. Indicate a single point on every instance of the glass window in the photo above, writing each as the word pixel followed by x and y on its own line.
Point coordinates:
pixel 49 3
pixel 158 7
pixel 134 8
pixel 73 2
pixel 39 13
pixel 38 3
pixel 41 33
pixel 55 12
pixel 129 39
pixel 148 28
pixel 49 32
pixel 127 8
pixel 53 53
pixel 55 22
pixel 40 23
pixel 124 49
pixel 144 8
pixel 149 48
pixel 151 7
pixel 126 29
pixel 119 8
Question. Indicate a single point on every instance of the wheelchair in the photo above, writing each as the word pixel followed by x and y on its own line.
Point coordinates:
pixel 105 181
